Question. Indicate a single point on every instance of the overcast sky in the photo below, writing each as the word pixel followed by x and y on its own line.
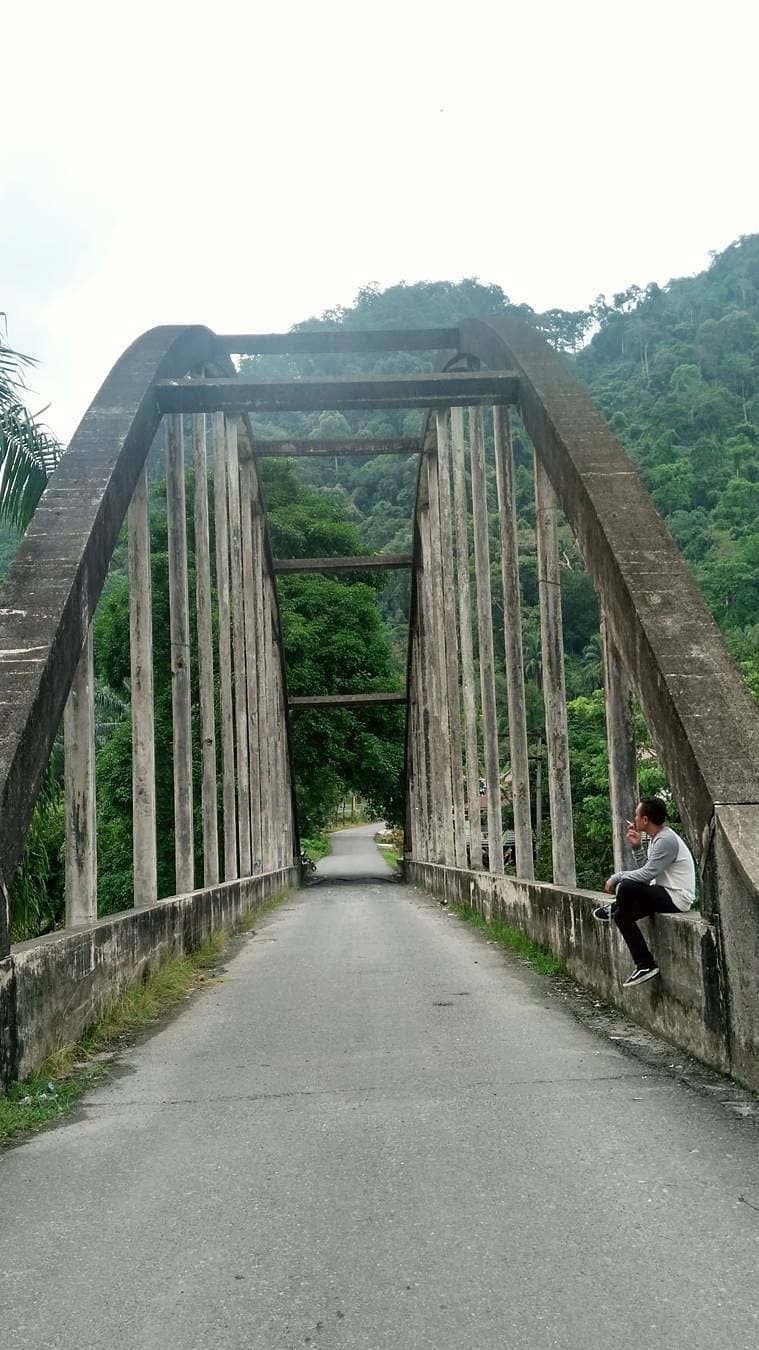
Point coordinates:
pixel 247 165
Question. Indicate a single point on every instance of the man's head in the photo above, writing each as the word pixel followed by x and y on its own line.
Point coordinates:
pixel 650 815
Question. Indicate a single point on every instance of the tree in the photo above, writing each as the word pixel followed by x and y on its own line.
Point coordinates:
pixel 28 453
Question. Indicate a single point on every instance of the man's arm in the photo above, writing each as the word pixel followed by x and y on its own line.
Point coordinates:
pixel 662 852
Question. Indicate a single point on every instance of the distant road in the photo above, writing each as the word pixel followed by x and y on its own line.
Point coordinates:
pixel 354 855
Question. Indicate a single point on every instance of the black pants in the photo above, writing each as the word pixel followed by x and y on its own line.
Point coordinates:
pixel 635 900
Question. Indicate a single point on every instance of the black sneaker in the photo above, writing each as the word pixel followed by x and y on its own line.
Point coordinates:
pixel 640 975
pixel 602 913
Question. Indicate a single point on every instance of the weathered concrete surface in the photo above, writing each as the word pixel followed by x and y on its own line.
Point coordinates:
pixel 8 1038
pixel 63 982
pixel 687 1004
pixel 734 867
pixel 379 1133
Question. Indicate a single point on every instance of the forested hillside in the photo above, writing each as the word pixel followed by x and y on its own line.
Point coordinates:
pixel 676 372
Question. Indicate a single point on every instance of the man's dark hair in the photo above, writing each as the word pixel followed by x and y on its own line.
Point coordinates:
pixel 654 808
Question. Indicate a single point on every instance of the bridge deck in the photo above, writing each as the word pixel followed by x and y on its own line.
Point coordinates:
pixel 380 1133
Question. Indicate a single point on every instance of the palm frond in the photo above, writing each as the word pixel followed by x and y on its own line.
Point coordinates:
pixel 27 457
pixel 28 452
pixel 110 710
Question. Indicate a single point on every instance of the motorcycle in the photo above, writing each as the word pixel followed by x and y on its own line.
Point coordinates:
pixel 307 865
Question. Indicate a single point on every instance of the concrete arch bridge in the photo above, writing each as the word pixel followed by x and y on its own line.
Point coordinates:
pixel 659 645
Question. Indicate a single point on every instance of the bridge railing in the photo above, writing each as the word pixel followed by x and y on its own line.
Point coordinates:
pixel 229 618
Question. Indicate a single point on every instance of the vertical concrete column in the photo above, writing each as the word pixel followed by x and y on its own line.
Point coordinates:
pixel 623 758
pixel 238 650
pixel 428 841
pixel 273 720
pixel 275 803
pixel 554 693
pixel 451 637
pixel 251 663
pixel 262 693
pixel 283 765
pixel 267 722
pixel 439 656
pixel 221 522
pixel 5 936
pixel 412 840
pixel 79 779
pixel 512 631
pixel 144 853
pixel 283 810
pixel 205 655
pixel 424 698
pixel 179 620
pixel 436 719
pixel 468 686
pixel 485 636
pixel 286 848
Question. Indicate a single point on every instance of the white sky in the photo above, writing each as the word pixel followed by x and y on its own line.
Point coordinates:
pixel 249 165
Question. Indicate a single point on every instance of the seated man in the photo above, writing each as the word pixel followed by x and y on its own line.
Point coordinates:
pixel 664 883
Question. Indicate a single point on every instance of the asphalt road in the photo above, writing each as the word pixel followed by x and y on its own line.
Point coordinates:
pixel 379 1133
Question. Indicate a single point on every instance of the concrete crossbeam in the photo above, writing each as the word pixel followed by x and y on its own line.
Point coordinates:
pixel 342 564
pixel 393 445
pixel 452 389
pixel 345 700
pixel 357 564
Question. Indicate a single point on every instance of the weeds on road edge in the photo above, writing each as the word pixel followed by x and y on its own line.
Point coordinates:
pixel 71 1071
pixel 514 940
pixel 390 845
pixel 390 856
pixel 316 846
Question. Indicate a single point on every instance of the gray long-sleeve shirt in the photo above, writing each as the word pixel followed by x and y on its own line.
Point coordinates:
pixel 669 863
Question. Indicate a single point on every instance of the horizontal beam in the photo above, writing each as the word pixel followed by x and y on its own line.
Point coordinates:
pixel 345 700
pixel 381 560
pixel 450 389
pixel 343 340
pixel 398 445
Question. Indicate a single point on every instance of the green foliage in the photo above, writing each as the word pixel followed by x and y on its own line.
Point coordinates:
pixel 37 896
pixel 316 846
pixel 28 453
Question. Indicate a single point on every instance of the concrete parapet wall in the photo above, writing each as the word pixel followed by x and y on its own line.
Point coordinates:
pixel 733 873
pixel 687 1005
pixel 53 988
